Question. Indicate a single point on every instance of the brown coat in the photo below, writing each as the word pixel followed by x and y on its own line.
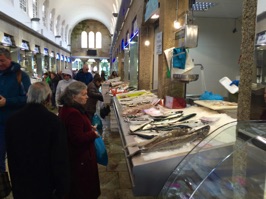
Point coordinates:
pixel 84 169
pixel 94 95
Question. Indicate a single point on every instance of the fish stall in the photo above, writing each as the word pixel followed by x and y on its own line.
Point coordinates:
pixel 156 139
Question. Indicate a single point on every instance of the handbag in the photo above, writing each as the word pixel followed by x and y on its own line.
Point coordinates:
pixel 5 185
pixel 101 153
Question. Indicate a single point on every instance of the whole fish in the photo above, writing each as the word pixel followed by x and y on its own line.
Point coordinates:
pixel 172 140
pixel 167 125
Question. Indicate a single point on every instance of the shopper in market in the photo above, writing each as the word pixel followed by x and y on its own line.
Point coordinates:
pixel 84 75
pixel 36 143
pixel 81 135
pixel 103 75
pixel 14 84
pixel 94 95
pixel 62 84
pixel 113 75
pixel 53 86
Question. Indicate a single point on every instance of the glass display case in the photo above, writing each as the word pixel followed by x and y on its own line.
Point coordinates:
pixel 235 170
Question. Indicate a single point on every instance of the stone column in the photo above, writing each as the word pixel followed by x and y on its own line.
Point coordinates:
pixel 35 22
pixel 166 20
pixel 246 73
pixel 146 54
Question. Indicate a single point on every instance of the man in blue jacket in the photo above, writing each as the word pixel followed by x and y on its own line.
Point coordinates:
pixel 84 75
pixel 14 85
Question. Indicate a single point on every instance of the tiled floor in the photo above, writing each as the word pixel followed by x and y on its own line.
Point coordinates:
pixel 114 179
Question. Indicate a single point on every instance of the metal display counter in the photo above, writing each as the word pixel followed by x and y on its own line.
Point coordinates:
pixel 149 172
pixel 236 171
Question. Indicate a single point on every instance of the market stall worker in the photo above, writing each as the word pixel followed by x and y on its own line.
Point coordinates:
pixel 14 85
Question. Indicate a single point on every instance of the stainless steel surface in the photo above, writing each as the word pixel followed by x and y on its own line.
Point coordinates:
pixel 186 77
pixel 187 36
pixel 147 176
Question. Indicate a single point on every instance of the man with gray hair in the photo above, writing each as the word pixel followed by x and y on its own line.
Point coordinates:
pixel 36 144
pixel 84 75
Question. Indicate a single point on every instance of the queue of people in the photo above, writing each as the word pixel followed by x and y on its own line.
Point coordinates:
pixel 54 156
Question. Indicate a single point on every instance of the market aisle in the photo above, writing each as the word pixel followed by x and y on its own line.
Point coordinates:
pixel 114 179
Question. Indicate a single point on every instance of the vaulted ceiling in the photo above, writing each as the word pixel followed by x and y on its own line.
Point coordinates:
pixel 75 11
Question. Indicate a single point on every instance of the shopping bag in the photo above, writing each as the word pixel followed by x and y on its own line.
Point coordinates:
pixel 5 185
pixel 101 153
pixel 96 121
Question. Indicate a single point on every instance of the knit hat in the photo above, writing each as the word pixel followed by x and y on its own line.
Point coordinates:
pixel 67 71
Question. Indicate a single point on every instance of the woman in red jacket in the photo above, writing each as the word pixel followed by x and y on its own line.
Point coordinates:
pixel 81 135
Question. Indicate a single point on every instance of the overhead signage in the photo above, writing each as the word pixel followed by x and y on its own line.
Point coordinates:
pixel 57 56
pixel 24 45
pixel 46 51
pixel 62 57
pixel 7 40
pixel 261 38
pixel 52 54
pixel 37 49
pixel 151 8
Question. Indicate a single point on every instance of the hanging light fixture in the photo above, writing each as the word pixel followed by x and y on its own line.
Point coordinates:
pixel 176 22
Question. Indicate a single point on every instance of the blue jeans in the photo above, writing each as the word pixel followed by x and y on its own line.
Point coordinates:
pixel 2 149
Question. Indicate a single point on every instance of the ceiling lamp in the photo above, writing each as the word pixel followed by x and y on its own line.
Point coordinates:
pixel 202 6
pixel 155 16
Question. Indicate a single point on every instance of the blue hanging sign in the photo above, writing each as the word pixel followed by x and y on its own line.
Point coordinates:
pixel 46 51
pixel 37 49
pixel 151 8
pixel 57 56
pixel 62 57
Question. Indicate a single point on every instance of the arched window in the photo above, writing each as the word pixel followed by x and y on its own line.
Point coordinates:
pixel 66 30
pixel 52 13
pixel 98 40
pixel 91 39
pixel 44 12
pixel 23 5
pixel 84 39
pixel 62 30
pixel 35 8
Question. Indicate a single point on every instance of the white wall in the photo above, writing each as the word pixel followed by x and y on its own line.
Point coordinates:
pixel 11 8
pixel 218 51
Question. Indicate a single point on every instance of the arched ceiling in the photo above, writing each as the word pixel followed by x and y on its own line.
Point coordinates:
pixel 73 12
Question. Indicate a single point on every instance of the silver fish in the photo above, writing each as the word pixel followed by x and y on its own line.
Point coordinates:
pixel 172 140
pixel 165 125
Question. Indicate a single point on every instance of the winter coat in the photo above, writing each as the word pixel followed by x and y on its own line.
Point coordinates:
pixel 14 93
pixel 53 84
pixel 38 161
pixel 94 95
pixel 84 169
pixel 61 86
pixel 86 78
